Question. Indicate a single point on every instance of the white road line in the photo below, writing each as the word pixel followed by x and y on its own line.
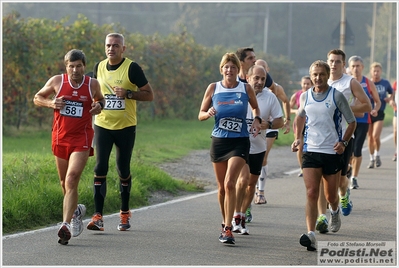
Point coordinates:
pixel 178 200
pixel 157 205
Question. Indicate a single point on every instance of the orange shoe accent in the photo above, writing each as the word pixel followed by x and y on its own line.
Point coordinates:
pixel 124 223
pixel 96 223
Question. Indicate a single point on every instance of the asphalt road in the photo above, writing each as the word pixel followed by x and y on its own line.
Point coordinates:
pixel 184 231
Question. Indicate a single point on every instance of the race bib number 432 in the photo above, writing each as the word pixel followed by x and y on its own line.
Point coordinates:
pixel 231 124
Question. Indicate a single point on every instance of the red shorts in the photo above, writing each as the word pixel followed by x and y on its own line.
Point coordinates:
pixel 65 152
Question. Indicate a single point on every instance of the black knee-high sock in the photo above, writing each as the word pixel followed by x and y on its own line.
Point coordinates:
pixel 100 191
pixel 125 186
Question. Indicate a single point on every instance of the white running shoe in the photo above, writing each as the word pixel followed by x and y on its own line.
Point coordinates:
pixel 76 221
pixel 244 228
pixel 64 233
pixel 236 224
pixel 335 222
pixel 309 241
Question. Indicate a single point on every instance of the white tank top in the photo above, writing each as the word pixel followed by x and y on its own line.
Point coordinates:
pixel 323 123
pixel 343 85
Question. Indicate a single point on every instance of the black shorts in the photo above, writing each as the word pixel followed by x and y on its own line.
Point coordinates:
pixel 272 134
pixel 360 136
pixel 380 117
pixel 329 163
pixel 222 149
pixel 347 156
pixel 255 163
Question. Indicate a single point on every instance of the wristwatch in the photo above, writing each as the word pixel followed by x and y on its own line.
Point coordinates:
pixel 259 119
pixel 270 124
pixel 345 143
pixel 129 94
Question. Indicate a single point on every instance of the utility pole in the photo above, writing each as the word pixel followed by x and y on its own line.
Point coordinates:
pixel 289 30
pixel 389 43
pixel 373 33
pixel 342 28
pixel 266 28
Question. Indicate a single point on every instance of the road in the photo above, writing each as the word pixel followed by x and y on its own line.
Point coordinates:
pixel 184 231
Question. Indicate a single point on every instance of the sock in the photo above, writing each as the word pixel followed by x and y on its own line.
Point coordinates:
pixel 100 191
pixel 311 233
pixel 125 186
pixel 376 153
pixel 262 178
pixel 237 214
pixel 371 157
pixel 334 212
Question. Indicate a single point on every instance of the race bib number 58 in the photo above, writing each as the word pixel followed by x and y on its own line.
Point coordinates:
pixel 72 108
pixel 231 124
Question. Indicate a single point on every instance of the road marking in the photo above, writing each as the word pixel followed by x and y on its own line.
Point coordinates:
pixel 177 200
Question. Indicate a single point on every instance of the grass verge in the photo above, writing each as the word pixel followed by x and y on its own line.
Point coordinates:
pixel 32 196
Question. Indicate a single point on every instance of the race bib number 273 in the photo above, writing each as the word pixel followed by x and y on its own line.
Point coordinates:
pixel 112 102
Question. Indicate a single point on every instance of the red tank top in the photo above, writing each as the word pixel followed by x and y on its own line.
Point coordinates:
pixel 72 126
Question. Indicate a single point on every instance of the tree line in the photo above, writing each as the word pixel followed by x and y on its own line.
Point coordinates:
pixel 178 68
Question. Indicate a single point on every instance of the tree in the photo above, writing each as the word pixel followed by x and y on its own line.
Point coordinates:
pixel 382 36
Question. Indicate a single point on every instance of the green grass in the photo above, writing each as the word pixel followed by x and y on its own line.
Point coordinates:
pixel 32 196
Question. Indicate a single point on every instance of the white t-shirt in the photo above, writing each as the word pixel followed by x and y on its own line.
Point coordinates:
pixel 269 107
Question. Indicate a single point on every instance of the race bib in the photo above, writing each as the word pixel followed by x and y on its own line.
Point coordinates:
pixel 112 102
pixel 231 124
pixel 72 108
pixel 249 124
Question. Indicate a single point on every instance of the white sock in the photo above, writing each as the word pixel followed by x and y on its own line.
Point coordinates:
pixel 334 212
pixel 376 153
pixel 372 157
pixel 262 178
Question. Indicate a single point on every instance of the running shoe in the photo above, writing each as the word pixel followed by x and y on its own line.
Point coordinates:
pixel 377 161
pixel 260 198
pixel 371 164
pixel 322 224
pixel 227 236
pixel 76 221
pixel 236 223
pixel 394 157
pixel 64 233
pixel 354 184
pixel 244 229
pixel 335 222
pixel 309 241
pixel 96 223
pixel 346 203
pixel 300 174
pixel 248 215
pixel 124 224
pixel 221 233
